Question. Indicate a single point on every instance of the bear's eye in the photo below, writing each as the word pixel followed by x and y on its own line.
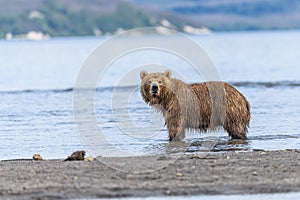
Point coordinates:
pixel 160 82
pixel 149 81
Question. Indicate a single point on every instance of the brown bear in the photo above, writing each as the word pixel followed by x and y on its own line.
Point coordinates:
pixel 198 106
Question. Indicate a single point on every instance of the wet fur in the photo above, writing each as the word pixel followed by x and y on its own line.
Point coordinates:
pixel 189 106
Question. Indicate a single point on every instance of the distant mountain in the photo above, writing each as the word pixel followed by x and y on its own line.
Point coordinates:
pixel 35 18
pixel 222 15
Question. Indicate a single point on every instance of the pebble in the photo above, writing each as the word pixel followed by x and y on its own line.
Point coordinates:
pixel 37 157
pixel 89 159
pixel 179 174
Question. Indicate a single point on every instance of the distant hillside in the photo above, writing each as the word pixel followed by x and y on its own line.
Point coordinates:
pixel 79 17
pixel 220 15
pixel 97 17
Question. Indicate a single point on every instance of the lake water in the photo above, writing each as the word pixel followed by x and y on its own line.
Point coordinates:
pixel 287 196
pixel 37 77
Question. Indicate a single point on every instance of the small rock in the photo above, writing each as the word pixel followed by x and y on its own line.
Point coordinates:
pixel 163 158
pixel 254 173
pixel 77 155
pixel 258 150
pixel 195 156
pixel 89 159
pixel 168 192
pixel 37 157
pixel 178 174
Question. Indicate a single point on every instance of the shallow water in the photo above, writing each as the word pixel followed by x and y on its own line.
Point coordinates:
pixel 36 111
pixel 287 196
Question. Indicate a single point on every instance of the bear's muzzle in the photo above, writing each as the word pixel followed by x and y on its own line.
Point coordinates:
pixel 154 89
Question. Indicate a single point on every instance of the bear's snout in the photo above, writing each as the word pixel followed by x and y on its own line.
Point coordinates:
pixel 154 88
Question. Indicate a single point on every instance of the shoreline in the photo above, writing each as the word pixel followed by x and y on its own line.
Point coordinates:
pixel 232 172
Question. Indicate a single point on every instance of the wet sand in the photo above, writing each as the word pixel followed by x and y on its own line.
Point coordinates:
pixel 207 173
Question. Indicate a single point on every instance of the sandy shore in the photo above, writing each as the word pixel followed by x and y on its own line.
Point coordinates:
pixel 208 173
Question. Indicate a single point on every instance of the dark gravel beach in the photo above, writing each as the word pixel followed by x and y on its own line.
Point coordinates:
pixel 207 173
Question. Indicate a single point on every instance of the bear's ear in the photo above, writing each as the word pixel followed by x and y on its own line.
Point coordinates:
pixel 168 73
pixel 143 74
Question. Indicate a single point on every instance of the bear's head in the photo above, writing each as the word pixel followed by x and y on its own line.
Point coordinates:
pixel 155 87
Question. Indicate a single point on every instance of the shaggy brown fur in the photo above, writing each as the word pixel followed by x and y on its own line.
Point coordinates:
pixel 204 106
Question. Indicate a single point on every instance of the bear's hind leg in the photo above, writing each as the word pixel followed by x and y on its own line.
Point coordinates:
pixel 236 131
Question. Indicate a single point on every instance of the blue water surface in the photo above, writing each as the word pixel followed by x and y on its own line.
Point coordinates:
pixel 37 77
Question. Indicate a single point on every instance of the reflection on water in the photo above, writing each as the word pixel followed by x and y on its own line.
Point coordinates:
pixel 203 145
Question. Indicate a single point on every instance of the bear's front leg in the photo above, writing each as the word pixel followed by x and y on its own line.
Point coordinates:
pixel 175 127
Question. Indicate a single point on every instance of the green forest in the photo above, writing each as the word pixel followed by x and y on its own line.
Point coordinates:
pixel 55 19
pixel 90 17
